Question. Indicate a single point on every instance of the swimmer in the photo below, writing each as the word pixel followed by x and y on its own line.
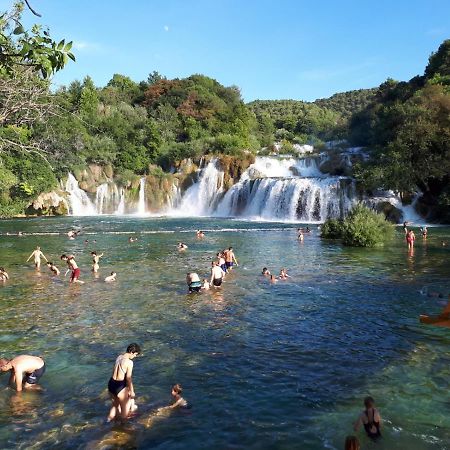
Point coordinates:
pixel 221 261
pixel 352 443
pixel 284 275
pixel 95 261
pixel 111 277
pixel 230 258
pixel 132 239
pixel 71 234
pixel 25 371
pixel 182 246
pixel 217 274
pixel 20 233
pixel 410 238
pixel 206 285
pixel 193 282
pixel 86 242
pixel 265 272
pixel 72 266
pixel 3 274
pixel 179 401
pixel 307 230
pixel 370 418
pixel 200 234
pixel 120 385
pixel 53 268
pixel 37 254
pixel 300 236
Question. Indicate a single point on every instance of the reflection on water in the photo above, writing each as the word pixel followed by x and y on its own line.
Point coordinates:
pixel 264 365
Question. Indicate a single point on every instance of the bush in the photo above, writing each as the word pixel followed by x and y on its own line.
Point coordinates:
pixel 364 227
pixel 332 229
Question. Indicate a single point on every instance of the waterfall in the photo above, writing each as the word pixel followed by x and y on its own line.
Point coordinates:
pixel 141 204
pixel 79 202
pixel 121 206
pixel 202 197
pixel 107 198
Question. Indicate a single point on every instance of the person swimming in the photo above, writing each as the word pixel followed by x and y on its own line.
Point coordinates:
pixel 265 272
pixel 200 234
pixel 179 401
pixel 283 274
pixel 111 277
pixel 182 246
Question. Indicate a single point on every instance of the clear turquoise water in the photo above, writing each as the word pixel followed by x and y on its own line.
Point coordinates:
pixel 264 366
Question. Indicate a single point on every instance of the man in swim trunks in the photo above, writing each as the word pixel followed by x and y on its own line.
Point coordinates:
pixel 37 257
pixel 193 282
pixel 72 266
pixel 217 274
pixel 230 258
pixel 120 385
pixel 25 370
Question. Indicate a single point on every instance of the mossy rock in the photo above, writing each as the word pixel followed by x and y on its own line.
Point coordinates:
pixel 391 213
pixel 234 166
pixel 49 204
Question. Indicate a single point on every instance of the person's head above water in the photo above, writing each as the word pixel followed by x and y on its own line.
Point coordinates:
pixel 3 362
pixel 134 349
pixel 94 253
pixel 177 389
pixel 369 402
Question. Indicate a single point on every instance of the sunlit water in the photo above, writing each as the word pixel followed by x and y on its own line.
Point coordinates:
pixel 265 366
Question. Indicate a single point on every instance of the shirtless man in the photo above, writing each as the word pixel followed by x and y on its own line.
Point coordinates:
pixel 193 282
pixel 37 257
pixel 25 370
pixel 217 274
pixel 53 268
pixel 111 277
pixel 230 259
pixel 72 266
pixel 200 234
pixel 3 274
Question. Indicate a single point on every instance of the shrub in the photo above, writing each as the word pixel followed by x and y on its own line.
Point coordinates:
pixel 364 227
pixel 332 229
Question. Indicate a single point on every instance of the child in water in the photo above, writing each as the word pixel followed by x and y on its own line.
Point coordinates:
pixel 111 277
pixel 53 268
pixel 179 401
pixel 206 285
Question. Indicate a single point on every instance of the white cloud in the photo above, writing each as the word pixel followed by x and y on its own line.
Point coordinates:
pixel 166 27
pixel 86 46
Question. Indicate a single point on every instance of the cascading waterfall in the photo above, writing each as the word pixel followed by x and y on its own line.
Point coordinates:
pixel 201 198
pixel 121 206
pixel 141 204
pixel 79 202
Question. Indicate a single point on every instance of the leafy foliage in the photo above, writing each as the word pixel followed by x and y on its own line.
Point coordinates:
pixel 332 229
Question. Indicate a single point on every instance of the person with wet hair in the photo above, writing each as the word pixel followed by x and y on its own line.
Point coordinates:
pixel 370 418
pixel 179 401
pixel 352 443
pixel 120 385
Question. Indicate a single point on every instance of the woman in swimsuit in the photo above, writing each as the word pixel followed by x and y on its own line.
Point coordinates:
pixel 95 261
pixel 120 385
pixel 370 418
pixel 410 238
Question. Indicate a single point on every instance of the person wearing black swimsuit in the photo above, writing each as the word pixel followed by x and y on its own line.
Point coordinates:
pixel 370 418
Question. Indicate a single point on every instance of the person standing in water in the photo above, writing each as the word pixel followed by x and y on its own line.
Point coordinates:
pixel 230 258
pixel 217 274
pixel 95 261
pixel 72 266
pixel 424 231
pixel 120 385
pixel 37 254
pixel 25 370
pixel 410 238
pixel 370 418
pixel 193 282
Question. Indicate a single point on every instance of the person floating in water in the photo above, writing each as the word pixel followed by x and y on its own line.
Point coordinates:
pixel 182 246
pixel 217 274
pixel 37 254
pixel 132 239
pixel 72 266
pixel 53 268
pixel 193 282
pixel 111 277
pixel 370 418
pixel 230 258
pixel 95 261
pixel 120 385
pixel 265 272
pixel 179 401
pixel 3 275
pixel 25 370
pixel 200 234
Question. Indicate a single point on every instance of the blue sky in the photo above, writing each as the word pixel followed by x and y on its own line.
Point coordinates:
pixel 270 49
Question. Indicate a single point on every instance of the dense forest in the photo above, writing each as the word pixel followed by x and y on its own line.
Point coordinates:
pixel 151 126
